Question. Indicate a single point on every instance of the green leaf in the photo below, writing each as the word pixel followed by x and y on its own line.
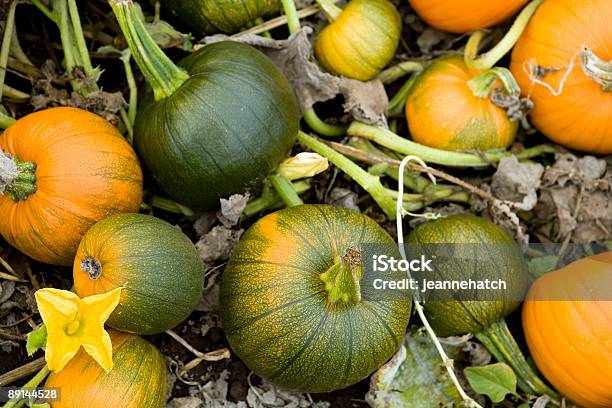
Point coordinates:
pixel 523 405
pixel 494 380
pixel 37 339
pixel 415 377
pixel 542 265
pixel 41 405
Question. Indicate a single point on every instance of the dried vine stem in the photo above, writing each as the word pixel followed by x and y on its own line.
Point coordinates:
pixel 216 355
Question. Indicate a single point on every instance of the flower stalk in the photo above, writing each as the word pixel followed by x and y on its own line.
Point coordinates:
pixel 285 190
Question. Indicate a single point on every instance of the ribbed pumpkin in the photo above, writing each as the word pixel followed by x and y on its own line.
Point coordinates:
pixel 215 126
pixel 293 308
pixel 480 250
pixel 476 238
pixel 577 110
pixel 221 16
pixel 360 40
pixel 443 111
pixel 75 169
pixel 137 380
pixel 567 319
pixel 462 16
pixel 155 263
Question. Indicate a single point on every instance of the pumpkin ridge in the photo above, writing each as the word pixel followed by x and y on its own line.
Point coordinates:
pixel 289 227
pixel 382 322
pixel 357 34
pixel 228 126
pixel 270 312
pixel 178 148
pixel 304 347
pixel 347 369
pixel 263 262
pixel 261 122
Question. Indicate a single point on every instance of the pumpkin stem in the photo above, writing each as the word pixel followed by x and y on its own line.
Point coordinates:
pixel 330 9
pixel 17 179
pixel 597 69
pixel 484 83
pixel 163 75
pixel 92 267
pixel 492 57
pixel 343 277
pixel 499 341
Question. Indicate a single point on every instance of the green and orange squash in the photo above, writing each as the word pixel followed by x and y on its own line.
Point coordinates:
pixel 137 380
pixel 563 63
pixel 294 305
pixel 75 169
pixel 154 262
pixel 360 40
pixel 216 124
pixel 567 319
pixel 221 16
pixel 480 250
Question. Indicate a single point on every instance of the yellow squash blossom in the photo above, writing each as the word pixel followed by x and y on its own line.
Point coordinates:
pixel 73 322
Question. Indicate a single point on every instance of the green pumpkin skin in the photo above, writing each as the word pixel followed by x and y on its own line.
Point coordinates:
pixel 454 318
pixel 223 130
pixel 275 309
pixel 221 16
pixel 156 264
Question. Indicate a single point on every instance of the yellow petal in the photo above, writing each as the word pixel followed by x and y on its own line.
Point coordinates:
pixel 59 350
pixel 56 307
pixel 100 348
pixel 94 311
pixel 98 308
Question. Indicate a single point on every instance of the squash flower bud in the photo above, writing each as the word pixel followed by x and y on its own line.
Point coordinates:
pixel 303 165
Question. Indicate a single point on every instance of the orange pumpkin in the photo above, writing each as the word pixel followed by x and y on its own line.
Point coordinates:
pixel 462 16
pixel 443 111
pixel 137 380
pixel 570 86
pixel 76 170
pixel 567 319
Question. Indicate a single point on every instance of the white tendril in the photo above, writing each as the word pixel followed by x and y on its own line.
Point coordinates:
pixel 448 363
pixel 530 68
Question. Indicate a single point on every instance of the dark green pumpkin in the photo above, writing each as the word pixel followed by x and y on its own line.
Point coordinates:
pixel 498 257
pixel 279 316
pixel 154 262
pixel 221 16
pixel 216 125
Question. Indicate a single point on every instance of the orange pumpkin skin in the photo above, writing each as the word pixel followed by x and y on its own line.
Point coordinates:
pixel 85 172
pixel 442 111
pixel 581 116
pixel 571 340
pixel 462 16
pixel 137 380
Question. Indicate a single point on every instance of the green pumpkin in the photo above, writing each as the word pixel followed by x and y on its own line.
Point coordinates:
pixel 291 306
pixel 494 247
pixel 221 16
pixel 154 262
pixel 491 254
pixel 216 125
